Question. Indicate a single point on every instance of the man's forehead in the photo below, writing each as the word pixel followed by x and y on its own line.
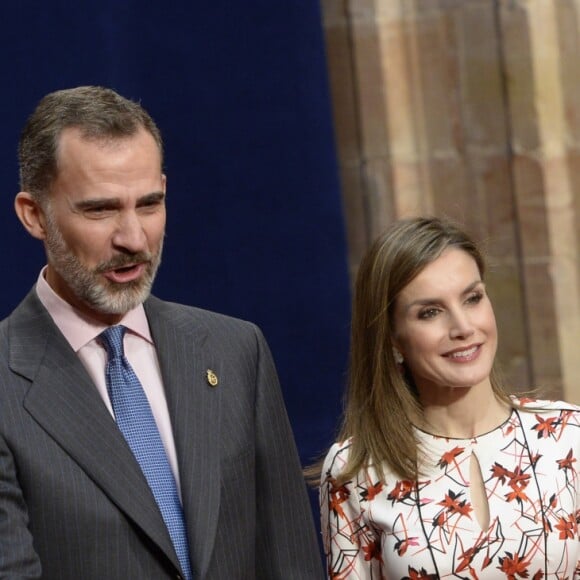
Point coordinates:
pixel 87 136
pixel 74 143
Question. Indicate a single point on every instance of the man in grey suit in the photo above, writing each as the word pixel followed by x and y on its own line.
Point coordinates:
pixel 81 496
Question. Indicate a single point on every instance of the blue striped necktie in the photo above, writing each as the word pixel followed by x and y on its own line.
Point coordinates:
pixel 136 422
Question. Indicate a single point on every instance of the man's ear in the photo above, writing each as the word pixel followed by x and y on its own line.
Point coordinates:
pixel 30 214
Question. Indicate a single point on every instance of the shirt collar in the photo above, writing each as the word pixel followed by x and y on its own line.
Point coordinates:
pixel 79 329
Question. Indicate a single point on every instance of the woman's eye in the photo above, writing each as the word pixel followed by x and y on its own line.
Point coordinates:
pixel 428 313
pixel 475 298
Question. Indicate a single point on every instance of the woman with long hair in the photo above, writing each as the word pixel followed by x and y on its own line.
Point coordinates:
pixel 437 471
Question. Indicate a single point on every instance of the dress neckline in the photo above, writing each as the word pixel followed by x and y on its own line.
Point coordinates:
pixel 432 436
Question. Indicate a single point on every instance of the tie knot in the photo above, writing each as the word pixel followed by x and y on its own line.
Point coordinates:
pixel 112 339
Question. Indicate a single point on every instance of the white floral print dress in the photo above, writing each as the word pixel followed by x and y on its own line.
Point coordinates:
pixel 427 529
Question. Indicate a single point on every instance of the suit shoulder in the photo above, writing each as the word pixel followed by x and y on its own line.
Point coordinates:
pixel 4 324
pixel 213 321
pixel 27 317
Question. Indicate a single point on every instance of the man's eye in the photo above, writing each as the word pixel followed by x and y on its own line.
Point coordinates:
pixel 97 211
pixel 150 205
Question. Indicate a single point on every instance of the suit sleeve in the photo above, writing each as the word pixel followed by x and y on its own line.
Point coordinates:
pixel 18 559
pixel 287 547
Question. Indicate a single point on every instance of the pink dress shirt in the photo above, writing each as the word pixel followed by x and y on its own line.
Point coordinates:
pixel 81 332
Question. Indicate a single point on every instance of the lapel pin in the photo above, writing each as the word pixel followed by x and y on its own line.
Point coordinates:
pixel 212 378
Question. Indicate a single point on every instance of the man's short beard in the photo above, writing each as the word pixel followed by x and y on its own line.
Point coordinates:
pixel 89 286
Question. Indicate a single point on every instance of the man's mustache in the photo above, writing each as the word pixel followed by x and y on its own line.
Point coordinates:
pixel 123 260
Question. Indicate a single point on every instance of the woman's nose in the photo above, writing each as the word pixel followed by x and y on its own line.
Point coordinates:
pixel 461 325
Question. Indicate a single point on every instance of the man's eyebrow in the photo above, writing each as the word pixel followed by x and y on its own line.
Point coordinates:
pixel 156 196
pixel 98 203
pixel 114 202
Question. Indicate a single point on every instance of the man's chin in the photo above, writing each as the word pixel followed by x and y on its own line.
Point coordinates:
pixel 119 303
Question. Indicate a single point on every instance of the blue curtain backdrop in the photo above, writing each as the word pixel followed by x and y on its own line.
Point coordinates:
pixel 255 226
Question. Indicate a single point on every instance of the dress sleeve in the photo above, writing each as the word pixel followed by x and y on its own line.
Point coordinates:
pixel 351 546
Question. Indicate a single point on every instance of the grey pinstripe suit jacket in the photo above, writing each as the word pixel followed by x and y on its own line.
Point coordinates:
pixel 73 501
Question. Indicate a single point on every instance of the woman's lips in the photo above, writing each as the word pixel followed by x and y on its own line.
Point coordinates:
pixel 466 354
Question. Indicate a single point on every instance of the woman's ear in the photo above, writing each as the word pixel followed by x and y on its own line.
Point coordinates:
pixel 399 359
pixel 397 354
pixel 30 214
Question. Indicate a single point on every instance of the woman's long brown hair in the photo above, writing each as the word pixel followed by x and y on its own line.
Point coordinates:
pixel 381 404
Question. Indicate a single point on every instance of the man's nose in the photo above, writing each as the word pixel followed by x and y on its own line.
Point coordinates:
pixel 130 234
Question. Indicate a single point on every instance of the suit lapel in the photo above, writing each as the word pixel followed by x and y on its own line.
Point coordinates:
pixel 194 407
pixel 65 403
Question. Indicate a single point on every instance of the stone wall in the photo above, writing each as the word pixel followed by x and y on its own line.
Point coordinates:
pixel 471 109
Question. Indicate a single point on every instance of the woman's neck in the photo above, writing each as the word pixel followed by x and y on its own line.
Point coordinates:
pixel 462 413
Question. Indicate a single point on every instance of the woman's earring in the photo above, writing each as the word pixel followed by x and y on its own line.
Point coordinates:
pixel 398 356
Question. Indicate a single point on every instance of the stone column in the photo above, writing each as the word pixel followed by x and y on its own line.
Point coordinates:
pixel 470 110
pixel 540 54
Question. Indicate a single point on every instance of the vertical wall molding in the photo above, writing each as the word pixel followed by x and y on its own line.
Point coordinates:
pixel 472 110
